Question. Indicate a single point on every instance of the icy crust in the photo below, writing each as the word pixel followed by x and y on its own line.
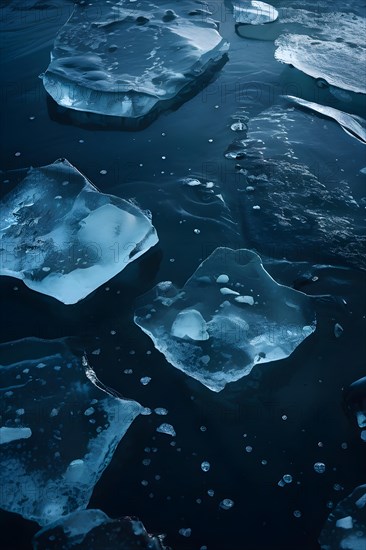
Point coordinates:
pixel 254 12
pixel 229 316
pixel 352 124
pixel 345 527
pixel 70 428
pixel 123 58
pixel 95 530
pixel 339 63
pixel 64 238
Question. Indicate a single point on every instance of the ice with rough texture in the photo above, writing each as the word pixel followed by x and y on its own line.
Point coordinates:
pixel 125 59
pixel 354 125
pixel 65 428
pixel 93 529
pixel 345 527
pixel 234 335
pixel 64 238
pixel 252 12
pixel 340 64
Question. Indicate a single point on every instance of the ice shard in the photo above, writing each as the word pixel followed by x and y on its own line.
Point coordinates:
pixel 63 237
pixel 127 59
pixel 59 429
pixel 354 125
pixel 229 316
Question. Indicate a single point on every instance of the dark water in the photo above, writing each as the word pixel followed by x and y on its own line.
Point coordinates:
pixel 307 387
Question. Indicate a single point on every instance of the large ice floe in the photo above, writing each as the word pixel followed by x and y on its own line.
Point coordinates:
pixel 95 530
pixel 63 237
pixel 59 429
pixel 229 316
pixel 345 528
pixel 252 12
pixel 325 46
pixel 127 58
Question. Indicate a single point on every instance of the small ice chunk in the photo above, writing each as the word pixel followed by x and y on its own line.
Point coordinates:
pixel 222 279
pixel 205 466
pixel 345 523
pixel 245 300
pixel 166 429
pixel 224 290
pixel 226 504
pixel 338 330
pixel 319 467
pixel 190 324
pixel 145 380
pixel 161 411
pixel 13 434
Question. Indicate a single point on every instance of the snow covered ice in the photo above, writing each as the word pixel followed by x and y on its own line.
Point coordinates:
pixel 346 526
pixel 64 238
pixel 95 530
pixel 58 429
pixel 254 12
pixel 126 59
pixel 216 337
pixel 331 47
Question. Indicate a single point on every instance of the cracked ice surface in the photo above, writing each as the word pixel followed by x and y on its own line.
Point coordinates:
pixel 94 529
pixel 229 316
pixel 125 58
pixel 61 429
pixel 346 526
pixel 64 238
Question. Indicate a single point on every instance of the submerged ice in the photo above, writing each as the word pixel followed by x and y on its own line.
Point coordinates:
pixel 58 429
pixel 94 529
pixel 229 316
pixel 64 238
pixel 345 527
pixel 126 59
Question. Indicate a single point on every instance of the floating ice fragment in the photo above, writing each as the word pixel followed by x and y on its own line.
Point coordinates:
pixel 226 504
pixel 319 467
pixel 185 531
pixel 161 411
pixel 62 436
pixel 338 330
pixel 205 466
pixel 238 336
pixel 355 401
pixel 245 300
pixel 145 380
pixel 86 238
pixel 166 429
pixel 13 434
pixel 253 12
pixel 127 59
pixel 94 529
pixel 345 527
pixel 222 279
